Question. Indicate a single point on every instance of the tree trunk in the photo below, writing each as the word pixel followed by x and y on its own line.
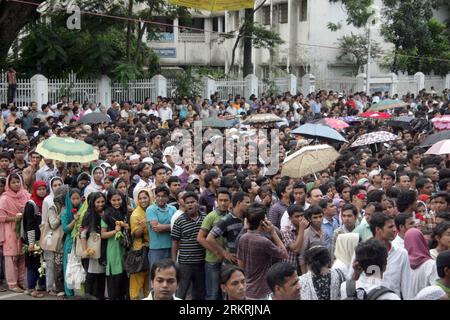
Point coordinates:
pixel 129 26
pixel 13 17
pixel 248 66
pixel 394 63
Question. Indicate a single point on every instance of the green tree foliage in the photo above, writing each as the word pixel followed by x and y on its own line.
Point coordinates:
pixel 354 48
pixel 188 83
pixel 357 14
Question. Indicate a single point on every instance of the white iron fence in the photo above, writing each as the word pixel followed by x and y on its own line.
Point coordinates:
pixel 342 84
pixel 136 91
pixel 82 90
pixel 24 91
pixel 171 87
pixel 225 87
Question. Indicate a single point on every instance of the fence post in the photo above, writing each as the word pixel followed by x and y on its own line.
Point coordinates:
pixel 39 83
pixel 292 84
pixel 361 82
pixel 104 91
pixel 209 85
pixel 419 78
pixel 394 82
pixel 160 85
pixel 251 85
pixel 308 84
pixel 447 81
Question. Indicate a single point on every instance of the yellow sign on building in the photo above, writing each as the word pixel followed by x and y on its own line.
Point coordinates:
pixel 215 5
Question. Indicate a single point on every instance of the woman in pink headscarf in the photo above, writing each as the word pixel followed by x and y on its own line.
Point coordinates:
pixel 12 203
pixel 423 267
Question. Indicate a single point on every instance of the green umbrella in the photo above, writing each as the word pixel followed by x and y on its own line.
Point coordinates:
pixel 67 150
pixel 387 104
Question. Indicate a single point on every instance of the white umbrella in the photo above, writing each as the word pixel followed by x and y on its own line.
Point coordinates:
pixel 440 148
pixel 309 160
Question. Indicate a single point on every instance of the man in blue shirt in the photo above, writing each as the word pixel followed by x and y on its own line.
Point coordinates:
pixel 158 216
pixel 316 106
pixel 329 223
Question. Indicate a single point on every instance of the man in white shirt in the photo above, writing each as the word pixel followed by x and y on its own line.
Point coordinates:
pixel 371 259
pixel 144 170
pixel 397 276
pixel 403 222
pixel 165 113
pixel 165 277
pixel 92 108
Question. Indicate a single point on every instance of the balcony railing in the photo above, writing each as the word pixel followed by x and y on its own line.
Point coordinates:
pixel 191 37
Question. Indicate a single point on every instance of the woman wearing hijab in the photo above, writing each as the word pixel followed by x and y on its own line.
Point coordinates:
pixel 95 268
pixel 69 218
pixel 82 182
pixel 140 235
pixel 49 258
pixel 424 272
pixel 12 204
pixel 54 221
pixel 114 224
pixel 96 185
pixel 344 250
pixel 120 184
pixel 31 221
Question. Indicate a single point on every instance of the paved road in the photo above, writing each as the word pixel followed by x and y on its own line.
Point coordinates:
pixel 9 295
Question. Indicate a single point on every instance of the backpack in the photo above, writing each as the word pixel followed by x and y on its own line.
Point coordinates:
pixel 350 287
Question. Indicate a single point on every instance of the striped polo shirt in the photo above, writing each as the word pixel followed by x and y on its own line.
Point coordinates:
pixel 185 231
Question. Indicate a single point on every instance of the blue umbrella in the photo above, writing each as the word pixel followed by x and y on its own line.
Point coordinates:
pixel 312 130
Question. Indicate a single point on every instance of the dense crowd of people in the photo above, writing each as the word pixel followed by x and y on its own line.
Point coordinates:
pixel 140 223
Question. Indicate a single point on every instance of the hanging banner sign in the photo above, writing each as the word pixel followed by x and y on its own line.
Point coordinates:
pixel 215 5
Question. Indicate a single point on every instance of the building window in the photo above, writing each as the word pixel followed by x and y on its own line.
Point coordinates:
pixel 266 15
pixel 198 25
pixel 215 24
pixel 303 10
pixel 283 16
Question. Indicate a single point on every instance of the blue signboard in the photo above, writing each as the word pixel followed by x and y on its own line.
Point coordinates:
pixel 166 52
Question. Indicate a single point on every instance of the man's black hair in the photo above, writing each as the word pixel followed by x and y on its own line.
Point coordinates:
pixel 400 219
pixel 277 274
pixel 378 220
pixel 163 265
pixel 313 210
pixel 405 199
pixel 369 254
pixel 293 208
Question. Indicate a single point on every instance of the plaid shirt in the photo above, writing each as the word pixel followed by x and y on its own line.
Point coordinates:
pixel 289 235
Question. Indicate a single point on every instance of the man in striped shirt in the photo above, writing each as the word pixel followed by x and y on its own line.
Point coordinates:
pixel 191 255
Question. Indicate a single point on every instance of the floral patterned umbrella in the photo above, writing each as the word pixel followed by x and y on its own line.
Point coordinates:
pixel 374 137
pixel 441 122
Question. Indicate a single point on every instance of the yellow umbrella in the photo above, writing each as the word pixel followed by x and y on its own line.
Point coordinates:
pixel 215 5
pixel 309 160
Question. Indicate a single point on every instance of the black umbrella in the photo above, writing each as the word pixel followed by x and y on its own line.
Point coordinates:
pixel 403 122
pixel 435 137
pixel 95 117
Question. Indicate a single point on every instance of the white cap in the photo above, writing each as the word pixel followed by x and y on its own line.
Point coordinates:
pixel 134 157
pixel 374 173
pixel 148 160
pixel 25 108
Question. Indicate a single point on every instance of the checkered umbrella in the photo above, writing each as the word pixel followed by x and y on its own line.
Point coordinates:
pixel 374 137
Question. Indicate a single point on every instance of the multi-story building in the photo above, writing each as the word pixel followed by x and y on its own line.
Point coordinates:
pixel 309 45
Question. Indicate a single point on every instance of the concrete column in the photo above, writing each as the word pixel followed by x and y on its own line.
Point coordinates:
pixel 419 77
pixel 361 82
pixel 40 89
pixel 175 30
pixel 292 84
pixel 251 85
pixel 209 85
pixel 394 83
pixel 104 91
pixel 208 27
pixel 447 81
pixel 160 85
pixel 308 84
